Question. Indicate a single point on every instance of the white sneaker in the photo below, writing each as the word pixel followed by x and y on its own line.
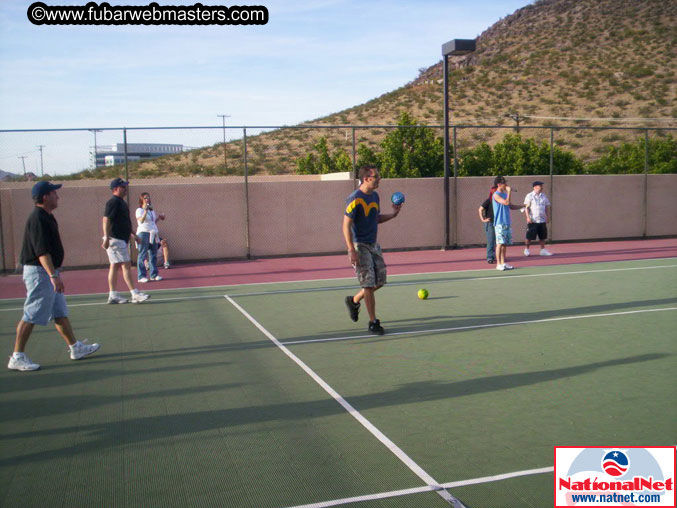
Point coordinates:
pixel 140 297
pixel 116 299
pixel 22 363
pixel 156 278
pixel 143 279
pixel 545 252
pixel 80 349
pixel 527 253
pixel 500 267
pixel 508 267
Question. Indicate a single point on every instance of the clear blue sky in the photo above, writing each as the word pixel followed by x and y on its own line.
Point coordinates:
pixel 313 58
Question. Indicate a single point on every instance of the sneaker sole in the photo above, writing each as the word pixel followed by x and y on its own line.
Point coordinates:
pixel 113 302
pixel 350 310
pixel 85 354
pixel 18 369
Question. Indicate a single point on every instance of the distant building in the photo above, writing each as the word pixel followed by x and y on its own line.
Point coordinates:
pixel 109 155
pixel 112 160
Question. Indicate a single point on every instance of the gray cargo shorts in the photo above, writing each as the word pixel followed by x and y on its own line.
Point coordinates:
pixel 371 268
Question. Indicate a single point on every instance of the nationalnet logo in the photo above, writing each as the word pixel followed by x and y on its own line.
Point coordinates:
pixel 606 476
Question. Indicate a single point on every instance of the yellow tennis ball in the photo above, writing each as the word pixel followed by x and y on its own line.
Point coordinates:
pixel 423 294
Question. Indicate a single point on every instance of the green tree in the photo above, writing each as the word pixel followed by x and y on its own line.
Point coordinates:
pixel 478 161
pixel 411 151
pixel 629 158
pixel 367 157
pixel 517 156
pixel 323 162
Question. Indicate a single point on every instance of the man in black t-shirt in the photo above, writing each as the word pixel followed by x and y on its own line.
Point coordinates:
pixel 117 231
pixel 42 255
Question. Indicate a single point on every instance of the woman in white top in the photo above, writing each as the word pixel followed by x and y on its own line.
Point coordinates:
pixel 149 239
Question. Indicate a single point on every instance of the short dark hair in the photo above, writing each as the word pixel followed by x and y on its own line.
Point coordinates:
pixel 499 179
pixel 365 170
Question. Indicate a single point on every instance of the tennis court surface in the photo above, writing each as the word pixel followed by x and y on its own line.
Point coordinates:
pixel 267 395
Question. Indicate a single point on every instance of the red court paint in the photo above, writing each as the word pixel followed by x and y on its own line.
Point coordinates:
pixel 333 267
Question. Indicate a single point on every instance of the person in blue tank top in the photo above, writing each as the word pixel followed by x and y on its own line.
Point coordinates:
pixel 360 228
pixel 502 223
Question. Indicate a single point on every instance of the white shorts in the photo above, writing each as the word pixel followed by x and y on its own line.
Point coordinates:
pixel 118 251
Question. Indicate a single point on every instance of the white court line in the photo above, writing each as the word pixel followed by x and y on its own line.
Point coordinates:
pixel 418 490
pixel 396 450
pixel 336 288
pixel 390 276
pixel 441 281
pixel 487 325
pixel 179 298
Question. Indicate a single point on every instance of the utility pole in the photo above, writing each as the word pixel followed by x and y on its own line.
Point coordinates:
pixel 42 167
pixel 515 117
pixel 23 161
pixel 225 153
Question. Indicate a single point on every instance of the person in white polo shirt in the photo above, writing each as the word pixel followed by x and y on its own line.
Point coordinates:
pixel 538 215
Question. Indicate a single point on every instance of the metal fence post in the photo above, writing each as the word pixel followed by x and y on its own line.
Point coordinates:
pixel 552 167
pixel 124 139
pixel 354 158
pixel 2 241
pixel 246 195
pixel 646 182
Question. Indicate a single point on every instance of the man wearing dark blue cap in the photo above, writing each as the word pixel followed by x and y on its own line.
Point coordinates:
pixel 117 231
pixel 41 255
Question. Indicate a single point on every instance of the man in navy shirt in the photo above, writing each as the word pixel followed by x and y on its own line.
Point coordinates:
pixel 360 227
pixel 41 255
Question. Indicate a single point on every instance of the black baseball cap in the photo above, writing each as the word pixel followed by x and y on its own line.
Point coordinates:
pixel 44 187
pixel 534 184
pixel 118 182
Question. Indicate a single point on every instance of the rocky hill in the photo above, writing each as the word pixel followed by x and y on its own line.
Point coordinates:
pixel 612 61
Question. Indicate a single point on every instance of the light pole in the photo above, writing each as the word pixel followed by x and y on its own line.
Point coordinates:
pixel 455 47
pixel 225 156
pixel 42 167
pixel 95 152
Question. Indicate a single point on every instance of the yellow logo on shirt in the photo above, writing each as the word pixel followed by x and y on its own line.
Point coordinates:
pixel 365 207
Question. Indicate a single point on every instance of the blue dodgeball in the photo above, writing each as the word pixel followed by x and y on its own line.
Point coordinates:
pixel 397 198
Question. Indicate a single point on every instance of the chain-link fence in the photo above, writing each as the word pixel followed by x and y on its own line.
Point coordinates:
pixel 269 191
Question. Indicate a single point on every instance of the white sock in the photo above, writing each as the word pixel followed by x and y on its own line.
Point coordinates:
pixel 134 292
pixel 76 343
pixel 113 294
pixel 17 355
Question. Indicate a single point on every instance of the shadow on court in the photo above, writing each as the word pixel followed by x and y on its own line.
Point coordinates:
pixel 460 321
pixel 138 430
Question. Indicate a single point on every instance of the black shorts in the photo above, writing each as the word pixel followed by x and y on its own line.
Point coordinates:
pixel 539 229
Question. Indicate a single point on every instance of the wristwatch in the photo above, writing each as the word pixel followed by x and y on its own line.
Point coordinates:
pixel 54 275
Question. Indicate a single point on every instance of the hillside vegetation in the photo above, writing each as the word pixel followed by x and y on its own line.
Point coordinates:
pixel 602 59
